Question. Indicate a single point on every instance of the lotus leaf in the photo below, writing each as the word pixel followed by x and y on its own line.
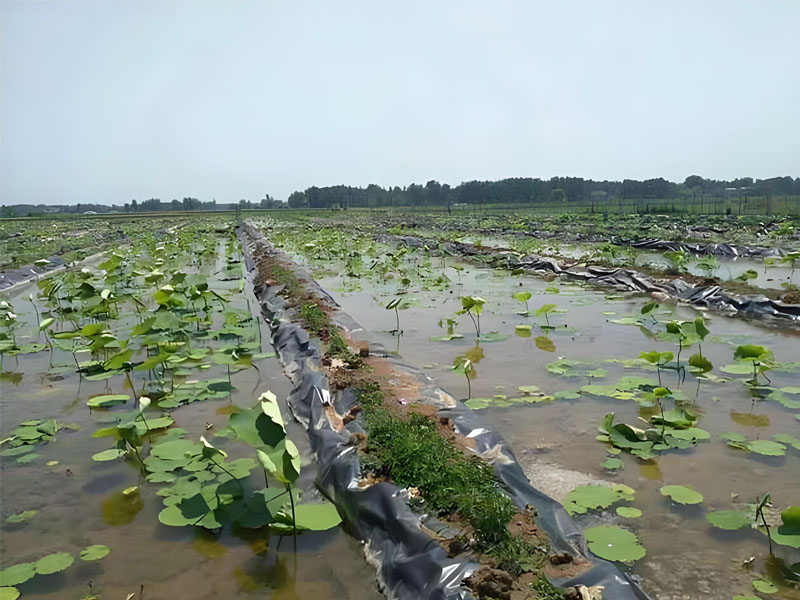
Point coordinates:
pixel 110 454
pixel 764 586
pixel 17 574
pixel 107 400
pixel 21 517
pixel 95 552
pixel 682 494
pixel 595 496
pixel 731 519
pixel 53 563
pixel 614 543
pixel 9 593
pixel 176 449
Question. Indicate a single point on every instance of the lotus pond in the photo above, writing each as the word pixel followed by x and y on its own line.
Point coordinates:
pixel 143 451
pixel 671 434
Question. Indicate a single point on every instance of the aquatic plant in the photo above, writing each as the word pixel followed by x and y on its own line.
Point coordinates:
pixel 708 264
pixel 394 305
pixel 678 259
pixel 659 359
pixel 760 357
pixel 465 367
pixel 523 297
pixel 545 310
pixel 473 306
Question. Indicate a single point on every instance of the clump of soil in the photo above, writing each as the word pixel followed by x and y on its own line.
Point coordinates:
pixel 792 297
pixel 487 582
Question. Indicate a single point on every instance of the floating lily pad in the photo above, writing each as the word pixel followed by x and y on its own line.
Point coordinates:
pixel 493 336
pixel 529 389
pixel 26 458
pixel 9 593
pixel 612 463
pixel 447 338
pixel 107 455
pixel 54 563
pixel 17 574
pixel 629 512
pixel 766 447
pixel 789 440
pixel 682 494
pixel 614 543
pixel 478 403
pixel 95 552
pixel 21 517
pixel 737 369
pixel 107 400
pixel 730 520
pixel 764 586
pixel 314 517
pixel 586 497
pixel 175 449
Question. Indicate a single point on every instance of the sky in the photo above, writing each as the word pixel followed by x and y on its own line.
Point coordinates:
pixel 105 101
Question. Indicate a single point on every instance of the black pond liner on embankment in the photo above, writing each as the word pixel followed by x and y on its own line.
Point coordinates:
pixel 14 277
pixel 711 297
pixel 410 563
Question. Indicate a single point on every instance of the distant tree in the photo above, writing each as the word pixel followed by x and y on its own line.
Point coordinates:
pixel 693 181
pixel 298 200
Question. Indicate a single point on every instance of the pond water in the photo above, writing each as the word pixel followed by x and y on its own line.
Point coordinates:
pixel 79 502
pixel 555 442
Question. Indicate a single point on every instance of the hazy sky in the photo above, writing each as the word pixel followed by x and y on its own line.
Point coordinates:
pixel 105 101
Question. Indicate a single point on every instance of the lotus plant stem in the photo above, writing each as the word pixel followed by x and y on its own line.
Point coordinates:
pixel 291 499
pixel 764 521
pixel 136 452
pixel 146 426
pixel 469 386
pixel 38 320
pixel 266 479
pixel 133 389
pixel 76 363
pixel 477 324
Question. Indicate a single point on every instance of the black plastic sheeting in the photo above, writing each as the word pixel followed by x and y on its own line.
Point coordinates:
pixel 724 250
pixel 410 563
pixel 27 273
pixel 711 297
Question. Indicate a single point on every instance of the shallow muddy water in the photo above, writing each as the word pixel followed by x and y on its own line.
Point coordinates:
pixel 79 502
pixel 555 442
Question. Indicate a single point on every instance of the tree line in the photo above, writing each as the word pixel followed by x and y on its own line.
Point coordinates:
pixel 517 190
pixel 522 190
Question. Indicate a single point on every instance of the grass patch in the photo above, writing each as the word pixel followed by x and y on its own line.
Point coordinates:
pixel 314 318
pixel 413 453
pixel 546 590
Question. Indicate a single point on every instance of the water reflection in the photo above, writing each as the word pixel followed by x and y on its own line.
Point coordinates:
pixel 120 508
